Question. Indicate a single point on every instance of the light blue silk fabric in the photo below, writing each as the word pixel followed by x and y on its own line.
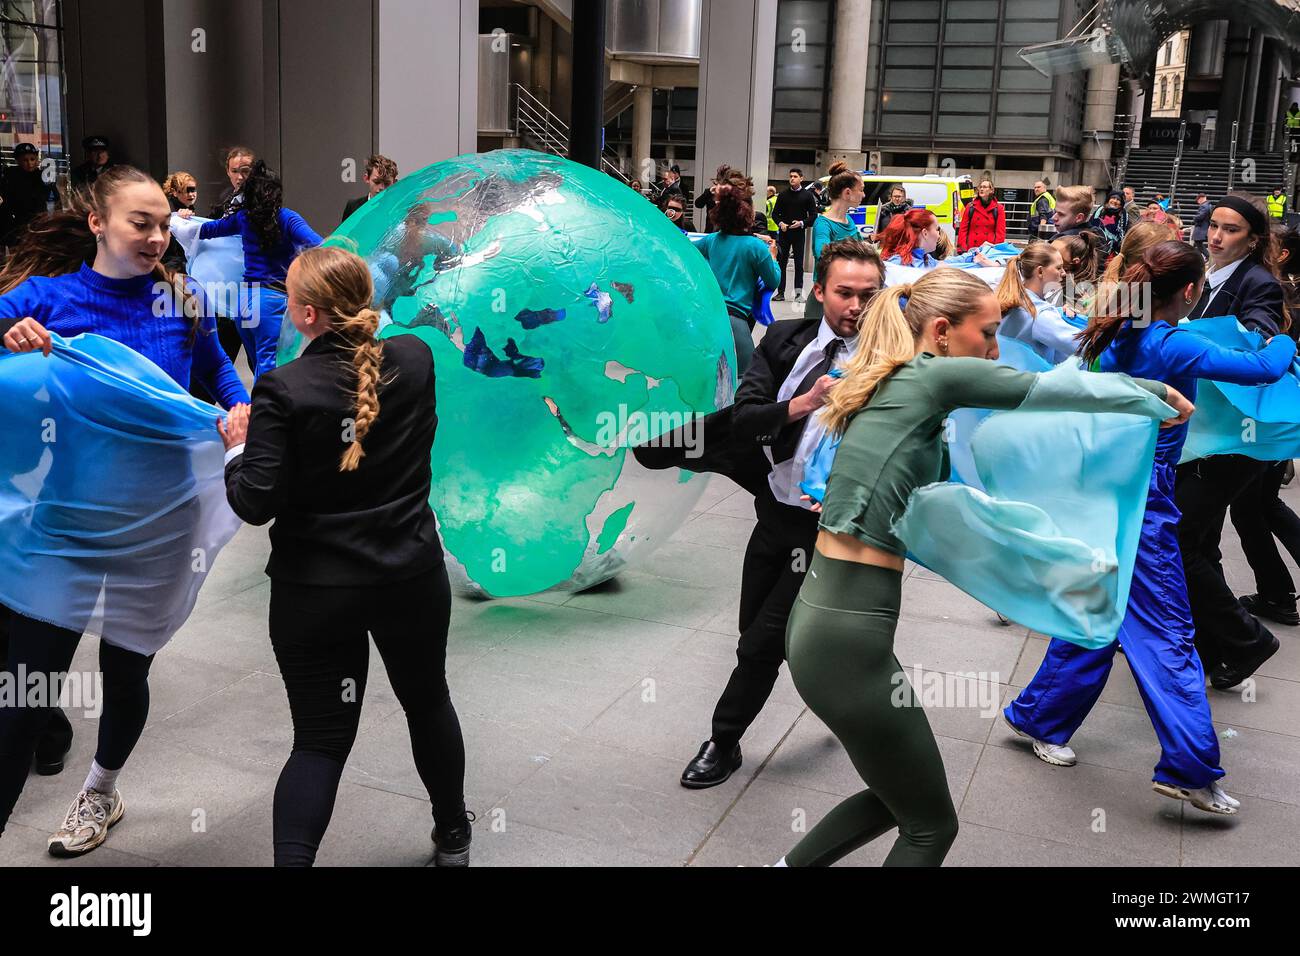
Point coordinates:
pixel 1259 421
pixel 111 481
pixel 1041 518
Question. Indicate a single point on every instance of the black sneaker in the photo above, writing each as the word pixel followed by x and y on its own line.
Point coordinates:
pixel 779 297
pixel 1226 676
pixel 451 843
pixel 1283 612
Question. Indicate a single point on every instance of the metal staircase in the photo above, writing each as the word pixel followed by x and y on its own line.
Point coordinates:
pixel 545 132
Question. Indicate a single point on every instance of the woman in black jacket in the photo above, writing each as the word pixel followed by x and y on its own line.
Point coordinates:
pixel 354 548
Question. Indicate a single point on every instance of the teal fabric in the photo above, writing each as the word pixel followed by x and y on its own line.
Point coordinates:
pixel 739 263
pixel 1259 421
pixel 826 231
pixel 1041 518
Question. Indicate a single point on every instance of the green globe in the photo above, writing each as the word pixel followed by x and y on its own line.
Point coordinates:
pixel 568 320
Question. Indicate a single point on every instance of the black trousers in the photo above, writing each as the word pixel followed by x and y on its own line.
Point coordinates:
pixel 44 648
pixel 1226 632
pixel 776 559
pixel 1259 515
pixel 792 240
pixel 320 642
pixel 57 734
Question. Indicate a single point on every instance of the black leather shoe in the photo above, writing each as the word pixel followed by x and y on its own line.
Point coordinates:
pixel 1226 676
pixel 451 843
pixel 50 754
pixel 1283 612
pixel 711 766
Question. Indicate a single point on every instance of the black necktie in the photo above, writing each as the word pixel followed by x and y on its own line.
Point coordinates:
pixel 787 442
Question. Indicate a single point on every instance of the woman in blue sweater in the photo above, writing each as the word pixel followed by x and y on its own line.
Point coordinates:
pixel 739 260
pixel 101 272
pixel 1157 633
pixel 272 237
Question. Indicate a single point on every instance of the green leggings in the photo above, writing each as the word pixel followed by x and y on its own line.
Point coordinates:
pixel 840 645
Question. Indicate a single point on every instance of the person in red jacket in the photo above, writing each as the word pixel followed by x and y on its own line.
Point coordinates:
pixel 984 220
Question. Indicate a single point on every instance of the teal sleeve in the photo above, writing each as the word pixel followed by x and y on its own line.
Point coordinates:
pixel 821 235
pixel 766 266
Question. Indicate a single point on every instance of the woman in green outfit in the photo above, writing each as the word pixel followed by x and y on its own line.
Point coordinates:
pixel 919 357
pixel 845 189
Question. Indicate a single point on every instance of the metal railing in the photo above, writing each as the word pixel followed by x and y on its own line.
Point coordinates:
pixel 549 133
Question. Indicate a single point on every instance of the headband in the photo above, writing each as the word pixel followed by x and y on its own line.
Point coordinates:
pixel 1254 218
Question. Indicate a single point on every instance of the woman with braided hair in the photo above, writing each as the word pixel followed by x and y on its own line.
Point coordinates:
pixel 336 450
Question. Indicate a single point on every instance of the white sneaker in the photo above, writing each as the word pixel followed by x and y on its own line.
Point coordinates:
pixel 87 823
pixel 1211 799
pixel 1054 754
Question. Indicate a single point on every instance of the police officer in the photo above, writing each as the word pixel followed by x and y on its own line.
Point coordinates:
pixel 1276 204
pixel 25 194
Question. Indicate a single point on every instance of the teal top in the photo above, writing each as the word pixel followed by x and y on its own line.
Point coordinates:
pixel 895 444
pixel 827 230
pixel 738 263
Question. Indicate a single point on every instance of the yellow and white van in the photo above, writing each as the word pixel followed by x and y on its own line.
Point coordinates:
pixel 942 195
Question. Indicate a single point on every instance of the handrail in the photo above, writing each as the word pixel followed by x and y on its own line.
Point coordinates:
pixel 533 118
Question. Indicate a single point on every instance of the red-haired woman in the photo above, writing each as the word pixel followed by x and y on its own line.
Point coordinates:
pixel 910 240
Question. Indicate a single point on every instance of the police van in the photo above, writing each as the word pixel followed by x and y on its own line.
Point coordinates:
pixel 943 196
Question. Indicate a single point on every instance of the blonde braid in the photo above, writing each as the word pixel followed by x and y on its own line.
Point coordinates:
pixel 367 355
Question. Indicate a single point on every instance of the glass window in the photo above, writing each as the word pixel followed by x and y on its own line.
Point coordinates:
pixel 909 56
pixel 968 56
pixel 958 31
pixel 967 79
pixel 785 121
pixel 963 123
pixel 1033 9
pixel 914 123
pixel 965 102
pixel 905 79
pixel 914 10
pixel 31 87
pixel 913 32
pixel 1026 79
pixel 789 99
pixel 1022 126
pixel 1027 103
pixel 907 101
pixel 971 10
pixel 1029 32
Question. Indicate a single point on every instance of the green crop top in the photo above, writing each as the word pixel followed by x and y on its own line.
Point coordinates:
pixel 896 445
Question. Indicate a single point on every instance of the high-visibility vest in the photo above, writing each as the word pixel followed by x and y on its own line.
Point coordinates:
pixel 771 223
pixel 1293 120
pixel 1276 205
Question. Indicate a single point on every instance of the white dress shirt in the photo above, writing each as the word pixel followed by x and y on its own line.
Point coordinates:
pixel 1215 279
pixel 786 475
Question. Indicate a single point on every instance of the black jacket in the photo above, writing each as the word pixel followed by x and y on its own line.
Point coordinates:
pixel 795 205
pixel 26 196
pixel 229 201
pixel 733 439
pixel 1252 294
pixel 359 528
pixel 352 206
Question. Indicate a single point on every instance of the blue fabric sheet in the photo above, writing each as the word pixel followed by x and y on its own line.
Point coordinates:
pixel 1042 516
pixel 111 480
pixel 1259 421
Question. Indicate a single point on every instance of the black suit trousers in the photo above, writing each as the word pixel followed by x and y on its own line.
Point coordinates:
pixel 791 241
pixel 776 559
pixel 1258 514
pixel 1226 632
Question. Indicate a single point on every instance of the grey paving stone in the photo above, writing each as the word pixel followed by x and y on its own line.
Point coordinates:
pixel 645 597
pixel 25 846
pixel 1262 834
pixel 949 646
pixel 983 846
pixel 706 660
pixel 642 807
pixel 671 720
pixel 811 758
pixel 580 638
pixel 516 844
pixel 1015 792
pixel 717 530
pixel 1275 705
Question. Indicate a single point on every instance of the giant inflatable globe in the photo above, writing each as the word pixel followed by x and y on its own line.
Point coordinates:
pixel 568 320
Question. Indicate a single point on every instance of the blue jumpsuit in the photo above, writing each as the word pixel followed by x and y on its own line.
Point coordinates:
pixel 1157 632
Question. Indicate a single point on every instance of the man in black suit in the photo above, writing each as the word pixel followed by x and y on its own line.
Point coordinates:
pixel 794 212
pixel 381 172
pixel 757 443
pixel 1231 641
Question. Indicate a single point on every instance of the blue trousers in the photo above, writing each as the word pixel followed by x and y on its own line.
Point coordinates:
pixel 262 312
pixel 1158 639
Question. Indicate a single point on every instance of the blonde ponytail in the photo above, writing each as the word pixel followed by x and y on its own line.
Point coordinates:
pixel 1011 291
pixel 891 331
pixel 337 282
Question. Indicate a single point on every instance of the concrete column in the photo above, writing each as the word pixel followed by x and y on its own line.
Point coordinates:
pixel 849 81
pixel 643 167
pixel 1099 124
pixel 1254 67
pixel 1234 81
pixel 737 57
pixel 427 87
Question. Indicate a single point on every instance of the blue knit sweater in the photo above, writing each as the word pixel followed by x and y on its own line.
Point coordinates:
pixel 265 265
pixel 126 310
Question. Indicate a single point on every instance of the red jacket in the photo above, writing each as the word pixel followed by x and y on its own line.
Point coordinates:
pixel 980 224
